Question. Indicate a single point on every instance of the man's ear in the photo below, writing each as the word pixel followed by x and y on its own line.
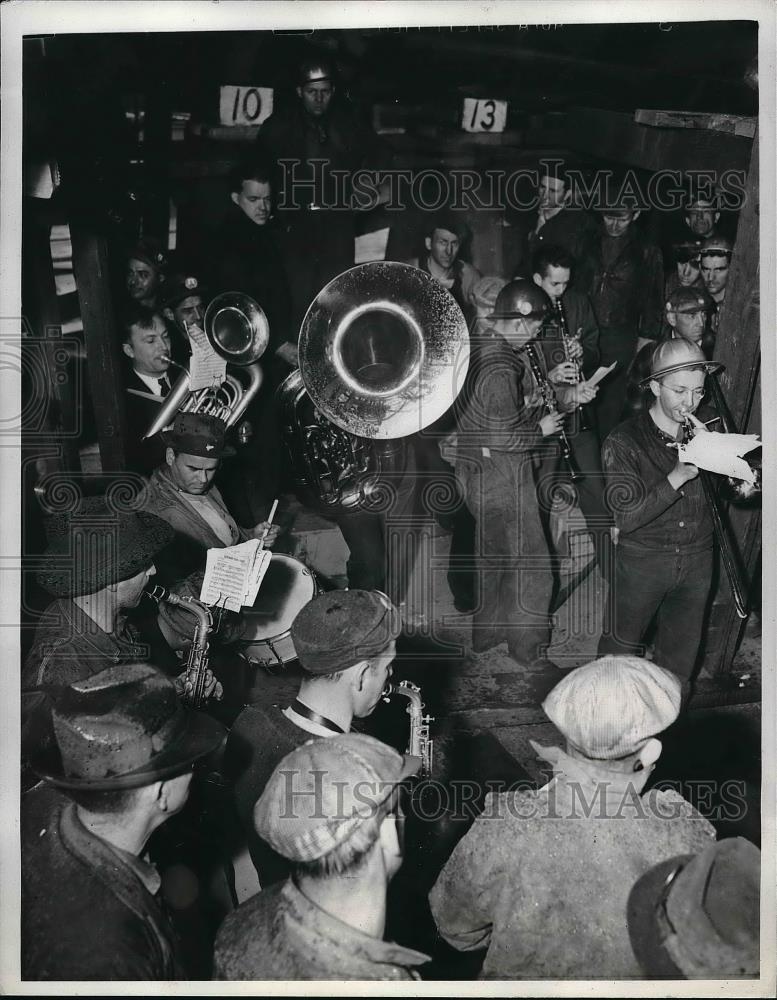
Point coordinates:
pixel 169 456
pixel 717 216
pixel 537 278
pixel 234 196
pixel 648 755
pixel 127 348
pixel 636 215
pixel 299 92
pixel 169 315
pixel 655 387
pixel 671 317
pixel 428 242
pixel 364 668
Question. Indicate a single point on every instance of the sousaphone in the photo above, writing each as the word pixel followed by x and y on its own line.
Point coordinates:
pixel 383 353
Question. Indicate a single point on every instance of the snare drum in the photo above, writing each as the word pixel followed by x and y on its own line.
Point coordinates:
pixel 287 587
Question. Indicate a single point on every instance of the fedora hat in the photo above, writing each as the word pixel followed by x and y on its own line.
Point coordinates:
pixel 96 545
pixel 121 728
pixel 697 916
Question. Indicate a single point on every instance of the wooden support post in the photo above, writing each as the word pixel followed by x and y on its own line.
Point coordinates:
pixel 157 155
pixel 738 347
pixel 90 265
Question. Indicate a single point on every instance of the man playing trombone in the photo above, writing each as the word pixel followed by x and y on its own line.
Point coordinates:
pixel 664 552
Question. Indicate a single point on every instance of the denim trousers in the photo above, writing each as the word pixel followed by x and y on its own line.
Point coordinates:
pixel 672 587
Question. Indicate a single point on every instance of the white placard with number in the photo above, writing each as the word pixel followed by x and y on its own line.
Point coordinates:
pixel 245 105
pixel 483 115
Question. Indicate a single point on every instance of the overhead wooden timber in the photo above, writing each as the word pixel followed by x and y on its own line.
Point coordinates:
pixel 732 124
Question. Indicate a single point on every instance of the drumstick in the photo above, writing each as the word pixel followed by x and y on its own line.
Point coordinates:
pixel 269 522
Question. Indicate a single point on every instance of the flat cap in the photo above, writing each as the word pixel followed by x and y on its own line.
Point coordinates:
pixel 611 707
pixel 200 434
pixel 338 629
pixel 182 286
pixel 323 791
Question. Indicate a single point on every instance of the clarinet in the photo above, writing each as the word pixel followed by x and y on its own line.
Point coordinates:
pixel 197 663
pixel 551 405
pixel 566 340
pixel 419 745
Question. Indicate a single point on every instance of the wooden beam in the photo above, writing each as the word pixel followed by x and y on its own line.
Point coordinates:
pixel 731 124
pixel 90 265
pixel 614 135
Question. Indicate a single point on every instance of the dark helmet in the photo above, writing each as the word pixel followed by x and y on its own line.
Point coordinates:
pixel 521 299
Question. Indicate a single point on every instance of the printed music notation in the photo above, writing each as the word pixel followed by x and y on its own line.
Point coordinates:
pixel 234 575
pixel 207 368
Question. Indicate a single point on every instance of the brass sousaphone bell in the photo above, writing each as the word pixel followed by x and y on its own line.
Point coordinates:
pixel 237 329
pixel 383 353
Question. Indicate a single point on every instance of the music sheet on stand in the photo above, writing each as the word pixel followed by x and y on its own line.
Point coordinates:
pixel 234 575
pixel 207 368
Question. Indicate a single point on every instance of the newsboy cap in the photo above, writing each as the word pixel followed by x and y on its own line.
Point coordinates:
pixel 95 546
pixel 338 629
pixel 611 707
pixel 123 727
pixel 698 916
pixel 325 790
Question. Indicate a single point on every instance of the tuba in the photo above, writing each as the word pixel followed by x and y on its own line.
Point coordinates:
pixel 237 329
pixel 383 353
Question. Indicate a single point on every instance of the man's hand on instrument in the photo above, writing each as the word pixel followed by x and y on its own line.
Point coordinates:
pixel 563 374
pixel 184 685
pixel 268 533
pixel 584 393
pixel 682 473
pixel 574 348
pixel 288 353
pixel 551 424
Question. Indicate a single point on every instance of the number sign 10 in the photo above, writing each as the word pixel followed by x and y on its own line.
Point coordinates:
pixel 483 115
pixel 245 105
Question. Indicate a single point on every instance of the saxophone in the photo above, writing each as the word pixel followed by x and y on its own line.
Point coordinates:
pixel 197 663
pixel 419 745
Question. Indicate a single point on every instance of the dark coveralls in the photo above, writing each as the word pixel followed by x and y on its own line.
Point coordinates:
pixel 568 229
pixel 664 555
pixel 625 280
pixel 580 426
pixel 499 445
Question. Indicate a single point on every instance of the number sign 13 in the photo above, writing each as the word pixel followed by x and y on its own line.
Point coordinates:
pixel 245 105
pixel 483 116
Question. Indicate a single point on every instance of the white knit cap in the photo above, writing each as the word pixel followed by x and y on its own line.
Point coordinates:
pixel 611 707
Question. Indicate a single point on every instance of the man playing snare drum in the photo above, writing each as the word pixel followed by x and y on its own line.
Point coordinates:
pixel 182 492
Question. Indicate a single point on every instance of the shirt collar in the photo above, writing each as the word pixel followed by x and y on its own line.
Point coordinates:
pixel 361 945
pixel 151 381
pixel 143 870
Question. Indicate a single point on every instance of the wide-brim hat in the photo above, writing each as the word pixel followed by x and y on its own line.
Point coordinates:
pixel 95 546
pixel 678 355
pixel 696 916
pixel 122 728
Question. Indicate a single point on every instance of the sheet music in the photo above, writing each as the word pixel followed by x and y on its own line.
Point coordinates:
pixel 207 368
pixel 234 575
